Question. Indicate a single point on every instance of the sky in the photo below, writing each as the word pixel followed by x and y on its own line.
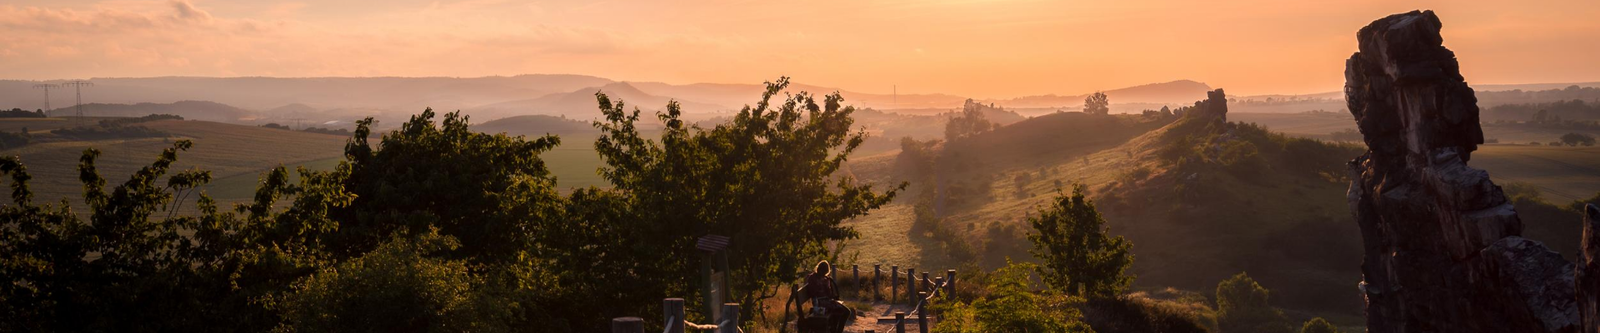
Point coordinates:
pixel 974 48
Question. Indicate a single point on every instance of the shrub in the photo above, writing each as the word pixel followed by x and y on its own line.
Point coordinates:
pixel 1242 308
pixel 397 287
pixel 1318 325
pixel 1012 306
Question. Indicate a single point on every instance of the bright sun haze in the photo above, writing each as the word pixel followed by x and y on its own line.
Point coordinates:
pixel 982 49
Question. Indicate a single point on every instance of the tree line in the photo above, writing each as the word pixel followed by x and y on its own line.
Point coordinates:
pixel 439 228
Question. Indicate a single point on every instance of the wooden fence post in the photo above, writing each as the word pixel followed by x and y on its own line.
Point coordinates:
pixel 627 325
pixel 894 283
pixel 923 284
pixel 950 281
pixel 922 312
pixel 855 281
pixel 911 285
pixel 877 274
pixel 900 322
pixel 672 311
pixel 730 318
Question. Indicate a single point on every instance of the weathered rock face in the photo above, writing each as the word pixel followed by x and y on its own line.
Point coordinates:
pixel 1443 246
pixel 1588 277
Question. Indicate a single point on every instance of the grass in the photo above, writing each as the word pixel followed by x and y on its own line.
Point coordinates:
pixel 1562 174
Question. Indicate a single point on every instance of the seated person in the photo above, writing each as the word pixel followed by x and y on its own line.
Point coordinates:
pixel 820 285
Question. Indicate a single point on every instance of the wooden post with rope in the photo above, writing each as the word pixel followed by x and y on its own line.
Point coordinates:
pixel 877 274
pixel 730 319
pixel 911 284
pixel 672 309
pixel 894 284
pixel 900 322
pixel 922 311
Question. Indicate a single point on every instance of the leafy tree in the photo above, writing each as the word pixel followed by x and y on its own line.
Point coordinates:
pixel 488 191
pixel 1318 325
pixel 767 179
pixel 969 123
pixel 1097 103
pixel 1575 139
pixel 1242 307
pixel 1080 258
pixel 1012 305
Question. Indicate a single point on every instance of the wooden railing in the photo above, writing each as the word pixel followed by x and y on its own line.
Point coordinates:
pixel 923 289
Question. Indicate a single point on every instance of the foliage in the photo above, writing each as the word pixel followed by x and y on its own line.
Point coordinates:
pixel 20 113
pixel 969 123
pixel 1575 139
pixel 488 191
pixel 1011 306
pixel 109 131
pixel 1097 103
pixel 1242 307
pixel 397 287
pixel 766 179
pixel 13 140
pixel 1318 325
pixel 134 120
pixel 1079 256
pixel 1144 312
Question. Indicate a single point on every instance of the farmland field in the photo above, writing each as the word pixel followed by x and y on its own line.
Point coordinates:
pixel 1562 174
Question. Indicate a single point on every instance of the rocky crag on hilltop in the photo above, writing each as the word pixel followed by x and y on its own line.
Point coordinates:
pixel 1443 245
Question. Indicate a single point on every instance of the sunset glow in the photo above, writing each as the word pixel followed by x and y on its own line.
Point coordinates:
pixel 973 48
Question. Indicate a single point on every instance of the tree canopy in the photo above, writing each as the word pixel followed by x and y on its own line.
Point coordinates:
pixel 1079 256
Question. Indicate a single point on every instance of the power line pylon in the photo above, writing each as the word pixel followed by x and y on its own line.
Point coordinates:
pixel 77 87
pixel 46 87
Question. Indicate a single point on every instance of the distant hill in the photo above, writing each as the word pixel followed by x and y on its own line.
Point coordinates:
pixel 195 110
pixel 580 104
pixel 261 93
pixel 1174 92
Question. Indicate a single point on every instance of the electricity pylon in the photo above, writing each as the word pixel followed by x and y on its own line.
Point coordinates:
pixel 77 87
pixel 46 87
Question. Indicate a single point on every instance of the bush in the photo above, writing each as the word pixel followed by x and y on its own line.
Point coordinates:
pixel 1139 312
pixel 397 287
pixel 1318 325
pixel 1012 306
pixel 1242 308
pixel 126 121
pixel 109 131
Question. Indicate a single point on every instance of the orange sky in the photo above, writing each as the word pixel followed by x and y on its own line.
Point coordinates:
pixel 994 48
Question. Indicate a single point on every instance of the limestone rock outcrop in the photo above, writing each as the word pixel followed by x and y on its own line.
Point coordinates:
pixel 1443 245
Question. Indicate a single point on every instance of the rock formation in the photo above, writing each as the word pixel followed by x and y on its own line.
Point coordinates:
pixel 1588 276
pixel 1443 245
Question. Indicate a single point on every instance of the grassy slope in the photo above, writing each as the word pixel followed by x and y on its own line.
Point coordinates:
pixel 235 154
pixel 1240 225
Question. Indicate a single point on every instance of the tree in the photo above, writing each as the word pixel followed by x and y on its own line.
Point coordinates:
pixel 768 179
pixel 1097 103
pixel 1242 307
pixel 1318 325
pixel 491 192
pixel 1079 256
pixel 1575 139
pixel 969 123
